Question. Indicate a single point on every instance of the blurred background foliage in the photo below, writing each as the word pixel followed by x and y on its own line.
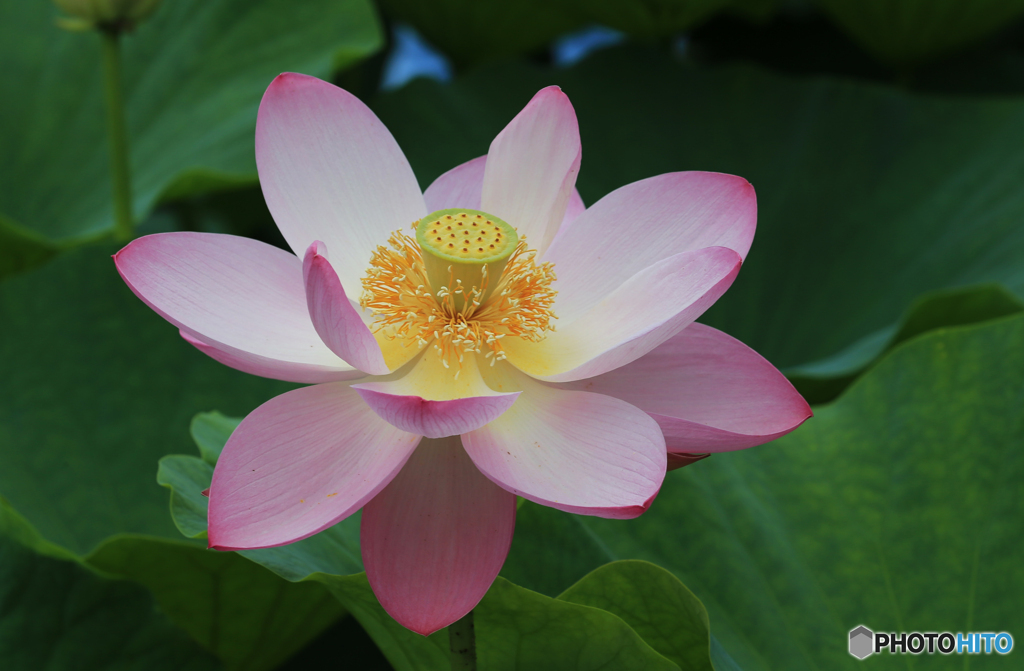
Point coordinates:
pixel 886 279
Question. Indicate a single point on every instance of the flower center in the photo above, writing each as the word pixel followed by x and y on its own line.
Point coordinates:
pixel 465 282
pixel 463 249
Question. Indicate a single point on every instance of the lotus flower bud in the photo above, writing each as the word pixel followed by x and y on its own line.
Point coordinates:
pixel 110 14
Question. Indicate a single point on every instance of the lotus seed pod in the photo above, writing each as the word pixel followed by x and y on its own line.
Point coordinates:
pixel 465 251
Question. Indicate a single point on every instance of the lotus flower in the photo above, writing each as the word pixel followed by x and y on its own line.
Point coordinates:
pixel 514 343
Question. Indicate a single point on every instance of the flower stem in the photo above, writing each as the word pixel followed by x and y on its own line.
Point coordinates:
pixel 118 133
pixel 462 641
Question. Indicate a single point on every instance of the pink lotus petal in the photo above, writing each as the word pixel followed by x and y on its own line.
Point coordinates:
pixel 459 187
pixel 242 299
pixel 531 167
pixel 430 401
pixel 573 208
pixel 643 223
pixel 300 463
pixel 331 171
pixel 642 313
pixel 576 451
pixel 677 460
pixel 462 185
pixel 264 367
pixel 708 392
pixel 434 419
pixel 336 320
pixel 434 540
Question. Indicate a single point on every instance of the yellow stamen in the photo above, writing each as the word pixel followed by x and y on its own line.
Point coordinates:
pixel 458 320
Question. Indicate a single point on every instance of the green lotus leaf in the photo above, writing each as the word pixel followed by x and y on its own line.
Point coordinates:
pixel 896 507
pixel 96 389
pixel 868 196
pixel 193 78
pixel 58 616
pixel 906 32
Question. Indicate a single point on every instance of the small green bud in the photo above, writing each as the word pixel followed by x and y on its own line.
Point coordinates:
pixel 106 14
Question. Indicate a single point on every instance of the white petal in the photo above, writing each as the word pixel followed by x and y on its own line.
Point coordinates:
pixel 331 171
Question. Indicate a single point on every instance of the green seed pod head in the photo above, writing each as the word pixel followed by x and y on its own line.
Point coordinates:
pixel 466 237
pixel 465 246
